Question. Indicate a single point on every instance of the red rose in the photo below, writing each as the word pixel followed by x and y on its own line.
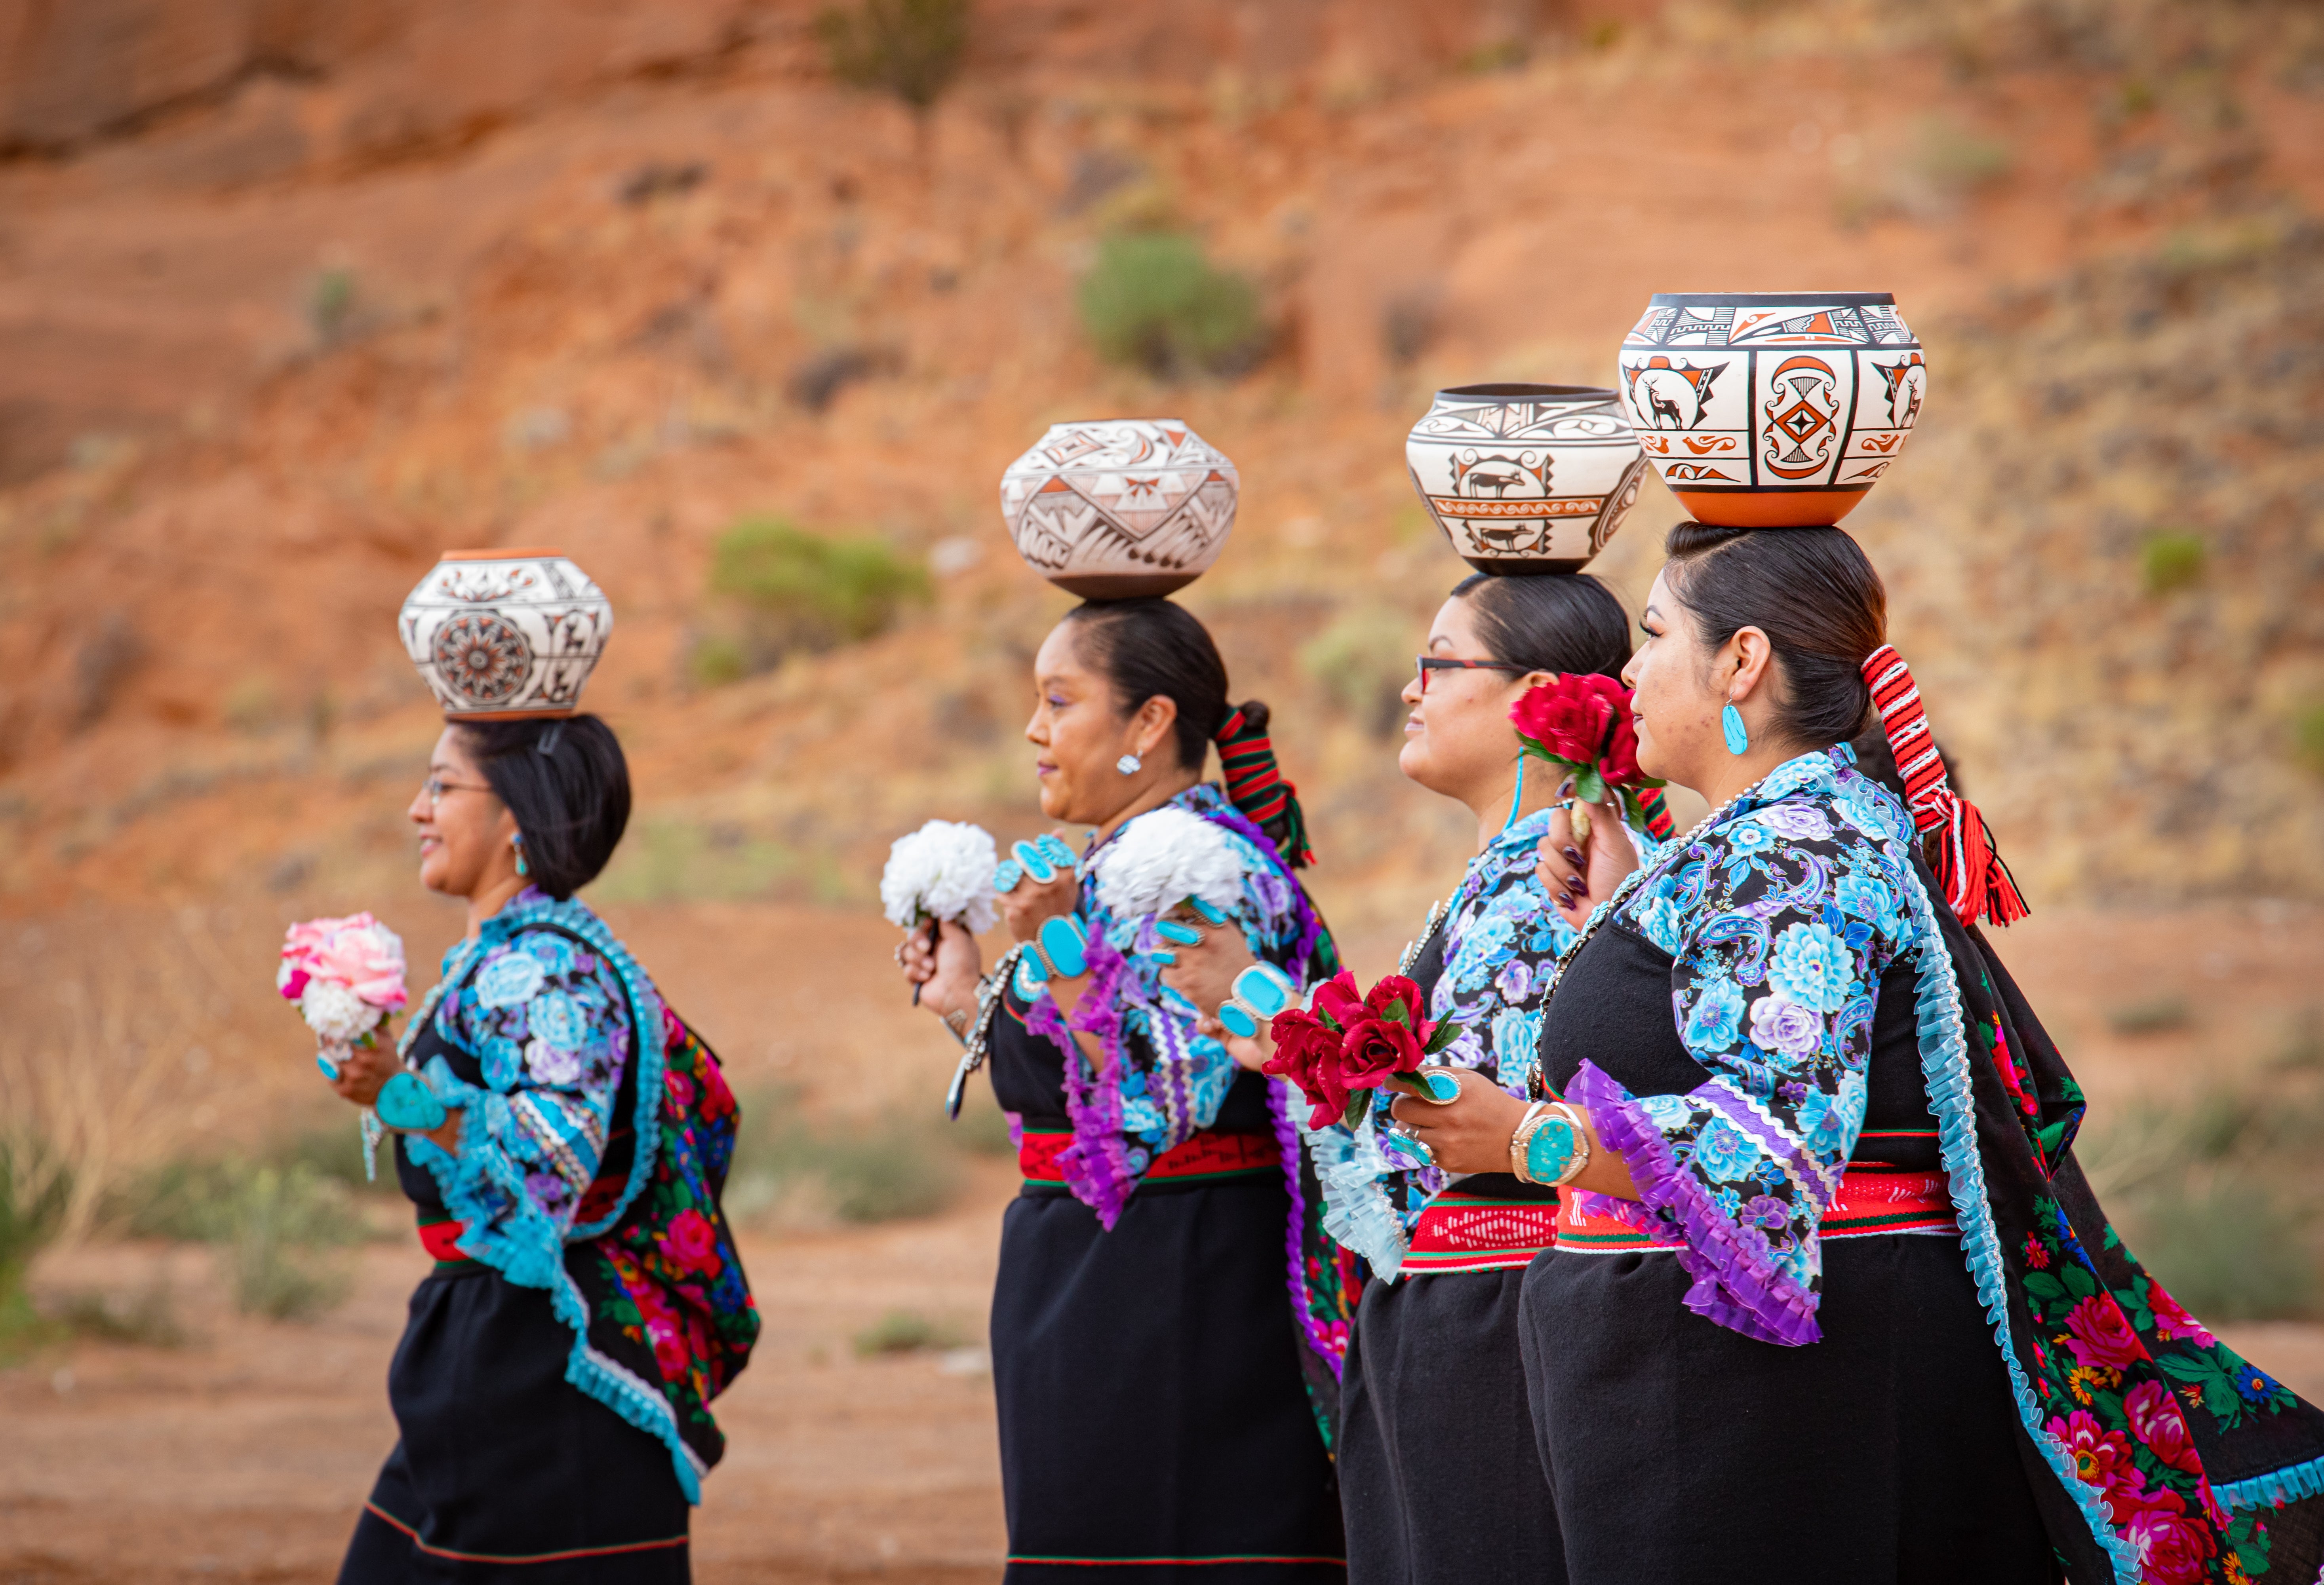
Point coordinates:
pixel 1375 1049
pixel 2155 1420
pixel 2100 1339
pixel 1620 765
pixel 1338 999
pixel 2102 1457
pixel 1390 991
pixel 1308 1054
pixel 1566 717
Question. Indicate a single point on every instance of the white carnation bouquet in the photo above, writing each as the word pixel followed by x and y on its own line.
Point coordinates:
pixel 944 871
pixel 345 975
pixel 1167 857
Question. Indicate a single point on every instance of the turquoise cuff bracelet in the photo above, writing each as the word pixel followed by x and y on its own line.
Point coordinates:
pixel 1058 951
pixel 407 1104
pixel 1259 992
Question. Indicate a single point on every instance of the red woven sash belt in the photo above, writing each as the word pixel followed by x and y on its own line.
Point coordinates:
pixel 1464 1232
pixel 1869 1203
pixel 440 1237
pixel 1208 1155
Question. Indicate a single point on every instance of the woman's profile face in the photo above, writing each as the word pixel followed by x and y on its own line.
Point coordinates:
pixel 1080 730
pixel 463 827
pixel 1458 735
pixel 1675 702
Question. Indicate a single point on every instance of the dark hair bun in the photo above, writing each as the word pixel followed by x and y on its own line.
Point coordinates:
pixel 568 786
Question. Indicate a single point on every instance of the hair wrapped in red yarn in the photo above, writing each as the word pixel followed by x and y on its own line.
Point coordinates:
pixel 1257 787
pixel 1977 884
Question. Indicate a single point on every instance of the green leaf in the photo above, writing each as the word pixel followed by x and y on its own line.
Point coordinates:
pixel 2045 1287
pixel 1359 1104
pixel 2079 1282
pixel 1442 1036
pixel 1396 1012
pixel 1588 786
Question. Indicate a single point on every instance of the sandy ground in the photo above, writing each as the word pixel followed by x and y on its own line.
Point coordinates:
pixel 243 1454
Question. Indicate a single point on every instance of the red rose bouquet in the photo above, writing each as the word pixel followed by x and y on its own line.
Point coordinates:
pixel 1345 1047
pixel 1581 721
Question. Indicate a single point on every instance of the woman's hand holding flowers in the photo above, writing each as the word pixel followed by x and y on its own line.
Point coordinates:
pixel 1577 871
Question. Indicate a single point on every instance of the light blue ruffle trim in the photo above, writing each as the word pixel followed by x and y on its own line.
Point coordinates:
pixel 2276 1487
pixel 1944 1068
pixel 1357 1210
pixel 514 1236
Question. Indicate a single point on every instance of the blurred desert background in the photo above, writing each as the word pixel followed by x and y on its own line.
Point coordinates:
pixel 745 305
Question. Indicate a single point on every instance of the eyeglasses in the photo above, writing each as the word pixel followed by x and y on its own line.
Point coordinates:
pixel 1428 663
pixel 436 787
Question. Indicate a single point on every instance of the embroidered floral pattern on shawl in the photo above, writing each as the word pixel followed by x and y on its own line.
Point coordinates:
pixel 591 1160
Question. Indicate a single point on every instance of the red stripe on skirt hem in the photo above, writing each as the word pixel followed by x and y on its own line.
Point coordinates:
pixel 538 1557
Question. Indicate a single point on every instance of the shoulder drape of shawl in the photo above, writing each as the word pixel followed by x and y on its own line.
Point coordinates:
pixel 1501 940
pixel 2162 1455
pixel 591 1161
pixel 1163 1082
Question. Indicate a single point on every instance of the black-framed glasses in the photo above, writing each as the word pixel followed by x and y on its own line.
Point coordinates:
pixel 1428 663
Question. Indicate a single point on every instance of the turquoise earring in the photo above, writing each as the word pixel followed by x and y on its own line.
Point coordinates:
pixel 1731 722
pixel 516 842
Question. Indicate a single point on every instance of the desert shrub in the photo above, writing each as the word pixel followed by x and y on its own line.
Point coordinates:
pixel 147 1319
pixel 1153 301
pixel 1362 661
pixel 331 306
pixel 911 49
pixel 278 1227
pixel 2171 561
pixel 1957 161
pixel 2229 1250
pixel 905 1332
pixel 799 591
pixel 882 1169
pixel 2155 1014
pixel 2308 737
pixel 33 1203
pixel 983 1127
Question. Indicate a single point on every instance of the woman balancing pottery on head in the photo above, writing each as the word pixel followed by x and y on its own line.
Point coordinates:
pixel 1829 1299
pixel 1426 1421
pixel 1160 1405
pixel 563 1134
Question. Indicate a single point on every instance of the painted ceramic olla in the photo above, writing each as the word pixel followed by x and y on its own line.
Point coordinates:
pixel 1115 509
pixel 506 635
pixel 1526 478
pixel 1772 409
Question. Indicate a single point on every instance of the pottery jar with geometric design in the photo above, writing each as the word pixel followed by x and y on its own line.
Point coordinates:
pixel 1772 409
pixel 1525 479
pixel 506 635
pixel 1116 509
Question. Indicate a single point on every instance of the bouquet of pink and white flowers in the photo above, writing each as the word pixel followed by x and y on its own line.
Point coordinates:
pixel 347 976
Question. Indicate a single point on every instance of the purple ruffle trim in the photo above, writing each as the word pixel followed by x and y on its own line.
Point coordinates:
pixel 1736 1282
pixel 1329 1342
pixel 1096 1165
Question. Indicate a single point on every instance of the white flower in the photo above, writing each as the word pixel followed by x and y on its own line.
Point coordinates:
pixel 552 1064
pixel 1164 857
pixel 943 871
pixel 335 1012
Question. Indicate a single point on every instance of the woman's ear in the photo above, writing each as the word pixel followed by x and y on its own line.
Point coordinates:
pixel 1153 724
pixel 1751 654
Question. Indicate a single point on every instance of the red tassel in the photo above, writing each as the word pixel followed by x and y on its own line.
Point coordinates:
pixel 1967 864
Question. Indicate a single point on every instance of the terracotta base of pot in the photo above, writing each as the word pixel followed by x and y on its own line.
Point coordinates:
pixel 1515 566
pixel 1126 585
pixel 1770 509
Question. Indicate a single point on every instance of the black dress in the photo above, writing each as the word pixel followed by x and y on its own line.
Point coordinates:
pixel 1440 1481
pixel 503 1470
pixel 1153 1423
pixel 1678 1450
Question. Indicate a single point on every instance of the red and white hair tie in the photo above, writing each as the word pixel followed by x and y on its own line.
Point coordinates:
pixel 1976 883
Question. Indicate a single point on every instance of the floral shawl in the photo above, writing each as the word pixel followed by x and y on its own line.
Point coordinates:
pixel 1163 1082
pixel 1501 940
pixel 2168 1457
pixel 592 1151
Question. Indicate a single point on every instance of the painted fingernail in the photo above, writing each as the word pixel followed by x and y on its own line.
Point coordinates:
pixel 1564 901
pixel 1572 856
pixel 1581 887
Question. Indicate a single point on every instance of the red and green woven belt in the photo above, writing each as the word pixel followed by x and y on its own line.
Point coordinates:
pixel 1208 1155
pixel 1475 1233
pixel 1869 1203
pixel 440 1235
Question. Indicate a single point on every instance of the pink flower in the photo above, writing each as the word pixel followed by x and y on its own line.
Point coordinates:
pixel 2175 1547
pixel 2172 1323
pixel 357 951
pixel 2100 1339
pixel 2101 1458
pixel 691 1242
pixel 2155 1420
